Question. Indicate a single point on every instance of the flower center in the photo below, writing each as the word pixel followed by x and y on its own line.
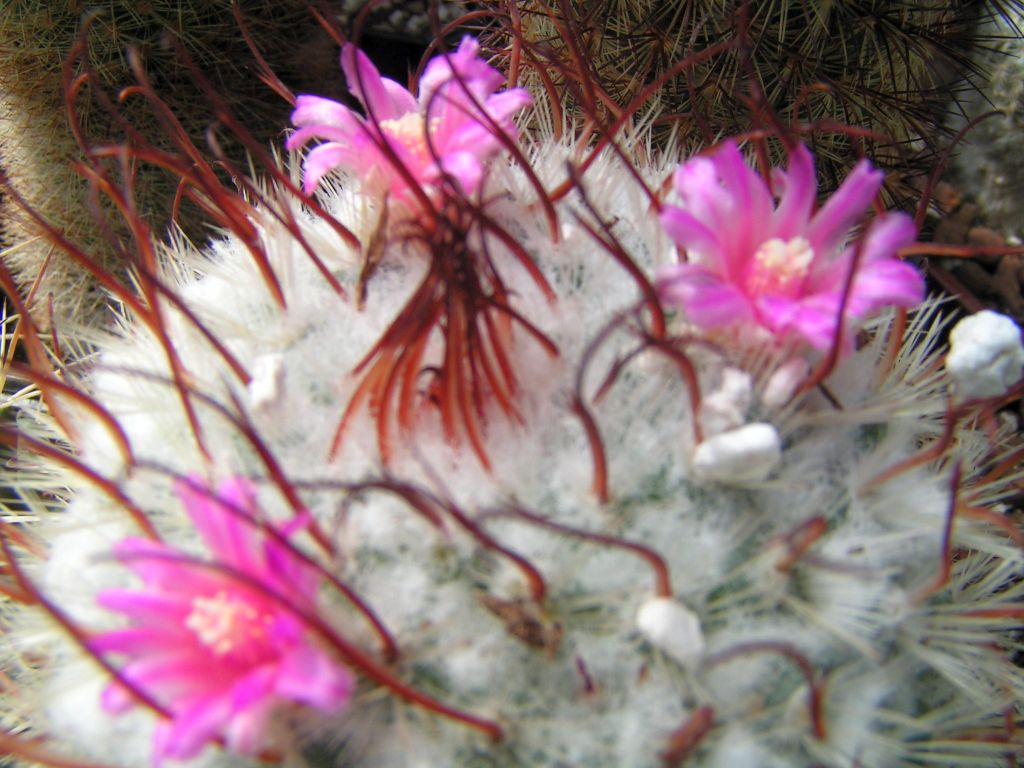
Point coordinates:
pixel 408 130
pixel 779 266
pixel 229 624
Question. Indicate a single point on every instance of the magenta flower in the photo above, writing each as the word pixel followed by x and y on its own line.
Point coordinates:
pixel 782 265
pixel 449 131
pixel 210 643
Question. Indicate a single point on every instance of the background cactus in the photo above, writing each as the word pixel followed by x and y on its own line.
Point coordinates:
pixel 986 165
pixel 892 71
pixel 37 147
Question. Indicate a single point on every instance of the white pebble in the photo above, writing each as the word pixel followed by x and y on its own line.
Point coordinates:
pixel 739 455
pixel 671 628
pixel 985 355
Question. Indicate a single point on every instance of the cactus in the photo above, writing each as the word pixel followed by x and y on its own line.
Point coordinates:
pixel 892 71
pixel 987 166
pixel 37 148
pixel 450 464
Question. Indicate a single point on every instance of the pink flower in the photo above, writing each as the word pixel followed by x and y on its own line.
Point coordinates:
pixel 209 643
pixel 782 264
pixel 448 131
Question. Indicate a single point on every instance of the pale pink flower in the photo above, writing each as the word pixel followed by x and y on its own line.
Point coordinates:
pixel 449 130
pixel 219 648
pixel 779 263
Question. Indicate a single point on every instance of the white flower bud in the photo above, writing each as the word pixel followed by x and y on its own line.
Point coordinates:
pixel 985 355
pixel 783 382
pixel 671 628
pixel 726 407
pixel 267 380
pixel 748 453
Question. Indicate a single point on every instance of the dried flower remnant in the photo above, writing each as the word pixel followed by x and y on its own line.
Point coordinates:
pixel 406 146
pixel 216 643
pixel 782 265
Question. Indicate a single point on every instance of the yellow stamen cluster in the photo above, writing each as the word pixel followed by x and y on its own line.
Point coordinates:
pixel 780 266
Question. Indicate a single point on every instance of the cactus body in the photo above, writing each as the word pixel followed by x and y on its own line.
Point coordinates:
pixel 828 610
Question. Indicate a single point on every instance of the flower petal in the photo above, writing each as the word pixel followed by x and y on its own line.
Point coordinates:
pixel 798 187
pixel 191 729
pixel 465 168
pixel 466 131
pixel 327 157
pixel 138 641
pixel 751 200
pixel 830 226
pixel 813 318
pixel 255 686
pixel 246 732
pixel 170 573
pixel 221 520
pixel 690 234
pixel 152 607
pixel 310 676
pixel 885 282
pixel 460 71
pixel 171 676
pixel 383 98
pixel 885 235
pixel 701 192
pixel 322 117
pixel 707 299
pixel 116 699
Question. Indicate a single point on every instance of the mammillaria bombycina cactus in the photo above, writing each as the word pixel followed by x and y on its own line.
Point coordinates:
pixel 436 472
